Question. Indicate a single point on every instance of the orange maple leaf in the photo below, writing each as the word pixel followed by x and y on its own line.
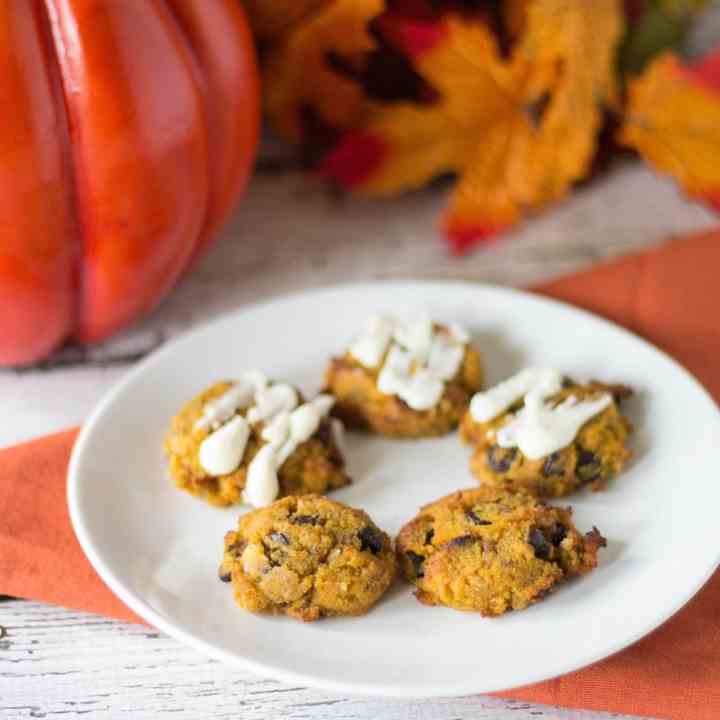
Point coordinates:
pixel 299 77
pixel 518 132
pixel 673 120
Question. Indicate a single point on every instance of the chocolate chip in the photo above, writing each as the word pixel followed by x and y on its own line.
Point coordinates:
pixel 558 534
pixel 324 433
pixel 429 536
pixel 304 520
pixel 473 517
pixel 500 459
pixel 326 438
pixel 371 539
pixel 279 538
pixel 618 391
pixel 588 466
pixel 540 544
pixel 211 484
pixel 224 576
pixel 554 465
pixel 461 541
pixel 417 562
pixel 586 457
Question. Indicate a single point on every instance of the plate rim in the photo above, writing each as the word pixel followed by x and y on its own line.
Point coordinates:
pixel 178 632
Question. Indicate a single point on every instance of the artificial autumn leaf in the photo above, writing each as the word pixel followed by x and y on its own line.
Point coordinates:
pixel 515 16
pixel 673 120
pixel 518 132
pixel 302 87
pixel 506 18
pixel 271 18
pixel 313 71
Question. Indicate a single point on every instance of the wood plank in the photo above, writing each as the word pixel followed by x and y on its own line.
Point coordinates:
pixel 56 663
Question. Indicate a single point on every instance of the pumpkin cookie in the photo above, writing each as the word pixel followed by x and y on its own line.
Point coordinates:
pixel 550 439
pixel 405 379
pixel 308 557
pixel 490 551
pixel 253 440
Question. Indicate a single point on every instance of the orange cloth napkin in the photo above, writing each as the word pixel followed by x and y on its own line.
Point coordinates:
pixel 670 295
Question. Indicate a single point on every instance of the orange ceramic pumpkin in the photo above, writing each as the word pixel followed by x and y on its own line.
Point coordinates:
pixel 129 128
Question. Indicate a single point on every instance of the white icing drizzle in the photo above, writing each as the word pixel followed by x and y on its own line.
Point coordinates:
pixel 540 429
pixel 255 378
pixel 285 432
pixel 324 403
pixel 222 451
pixel 418 358
pixel 277 431
pixel 269 401
pixel 261 484
pixel 416 336
pixel 286 426
pixel 445 356
pixel 222 408
pixel 487 405
pixel 303 423
pixel 420 389
pixel 370 347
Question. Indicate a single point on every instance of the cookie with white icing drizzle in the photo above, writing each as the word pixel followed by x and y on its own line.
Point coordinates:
pixel 405 378
pixel 252 440
pixel 548 434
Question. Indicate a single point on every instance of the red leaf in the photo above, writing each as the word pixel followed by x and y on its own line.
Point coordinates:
pixel 354 159
pixel 412 37
pixel 463 238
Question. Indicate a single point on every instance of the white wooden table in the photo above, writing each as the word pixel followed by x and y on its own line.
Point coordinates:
pixel 289 234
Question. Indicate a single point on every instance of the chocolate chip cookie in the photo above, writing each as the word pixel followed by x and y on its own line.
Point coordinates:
pixel 598 452
pixel 490 551
pixel 315 465
pixel 308 557
pixel 414 381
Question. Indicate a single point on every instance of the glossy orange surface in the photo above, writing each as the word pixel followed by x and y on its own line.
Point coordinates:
pixel 129 133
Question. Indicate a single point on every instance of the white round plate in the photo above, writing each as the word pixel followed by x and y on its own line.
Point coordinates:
pixel 159 549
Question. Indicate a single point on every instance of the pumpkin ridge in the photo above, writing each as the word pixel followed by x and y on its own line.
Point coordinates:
pixel 139 151
pixel 48 41
pixel 199 78
pixel 35 262
pixel 213 34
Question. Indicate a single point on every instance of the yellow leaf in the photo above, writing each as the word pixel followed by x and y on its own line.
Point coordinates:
pixel 473 84
pixel 673 120
pixel 298 75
